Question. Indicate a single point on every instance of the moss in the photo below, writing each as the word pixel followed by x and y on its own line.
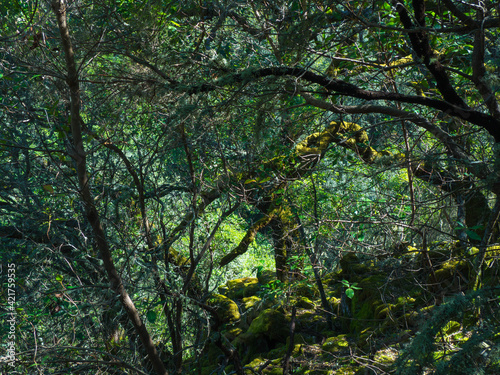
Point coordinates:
pixel 346 370
pixel 364 317
pixel 250 302
pixel 409 319
pixel 266 276
pixel 174 257
pixel 384 311
pixel 208 370
pixel 227 309
pixel 451 273
pixel 273 368
pixel 233 333
pixel 335 344
pixel 270 323
pixel 384 358
pixel 334 303
pixel 244 287
pixel 451 327
pixel 305 289
pixel 305 303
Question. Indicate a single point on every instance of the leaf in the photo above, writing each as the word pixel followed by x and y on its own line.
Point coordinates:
pixel 349 293
pixel 473 235
pixel 151 316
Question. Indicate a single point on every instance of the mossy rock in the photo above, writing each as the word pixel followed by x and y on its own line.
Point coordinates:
pixel 442 251
pixel 280 351
pixel 335 344
pixel 208 370
pixel 365 337
pixel 449 269
pixel 250 308
pixel 271 323
pixel 244 287
pixel 305 303
pixel 250 345
pixel 227 309
pixel 232 333
pixel 272 368
pixel 364 317
pixel 301 340
pixel 334 302
pixel 251 302
pixel 210 357
pixel 352 266
pixel 383 311
pixel 174 257
pixel 370 285
pixel 265 277
pixel 266 331
pixel 410 319
pixel 305 289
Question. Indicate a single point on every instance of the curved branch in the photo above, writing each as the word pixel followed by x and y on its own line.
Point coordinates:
pixel 487 122
pixel 478 170
pixel 248 239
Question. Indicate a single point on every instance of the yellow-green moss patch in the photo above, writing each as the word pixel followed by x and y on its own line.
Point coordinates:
pixel 227 309
pixel 335 344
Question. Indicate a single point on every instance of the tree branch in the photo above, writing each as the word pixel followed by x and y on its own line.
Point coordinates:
pixel 487 122
pixel 59 8
pixel 421 45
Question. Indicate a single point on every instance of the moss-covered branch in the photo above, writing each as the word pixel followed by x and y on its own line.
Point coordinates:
pixel 248 239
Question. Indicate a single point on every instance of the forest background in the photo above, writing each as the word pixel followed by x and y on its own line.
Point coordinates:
pixel 151 151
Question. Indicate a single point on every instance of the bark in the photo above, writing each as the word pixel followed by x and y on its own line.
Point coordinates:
pixel 79 155
pixel 247 240
pixel 420 43
pixel 453 107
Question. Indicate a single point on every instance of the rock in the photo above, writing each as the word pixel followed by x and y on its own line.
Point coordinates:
pixel 227 309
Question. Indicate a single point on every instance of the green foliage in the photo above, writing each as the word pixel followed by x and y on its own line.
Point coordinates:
pixel 350 288
pixel 479 351
pixel 200 119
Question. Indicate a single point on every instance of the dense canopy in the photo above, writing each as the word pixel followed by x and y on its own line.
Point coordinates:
pixel 153 151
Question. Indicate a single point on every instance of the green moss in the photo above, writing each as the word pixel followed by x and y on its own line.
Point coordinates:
pixel 346 370
pixel 410 319
pixel 233 333
pixel 451 327
pixel 383 311
pixel 305 289
pixel 270 323
pixel 250 302
pixel 385 358
pixel 364 317
pixel 449 269
pixel 305 303
pixel 227 309
pixel 335 344
pixel 239 288
pixel 272 368
pixel 334 303
pixel 266 276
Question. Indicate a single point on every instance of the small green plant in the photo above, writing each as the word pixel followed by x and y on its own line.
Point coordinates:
pixel 349 292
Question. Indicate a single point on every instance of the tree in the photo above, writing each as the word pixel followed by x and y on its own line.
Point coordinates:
pixel 136 133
